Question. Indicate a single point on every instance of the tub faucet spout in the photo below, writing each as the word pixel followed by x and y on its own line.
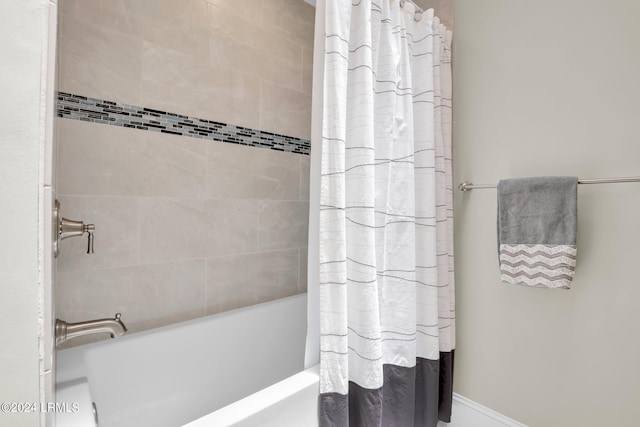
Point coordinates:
pixel 66 331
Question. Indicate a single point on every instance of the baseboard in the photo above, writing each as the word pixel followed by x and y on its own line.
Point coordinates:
pixel 467 413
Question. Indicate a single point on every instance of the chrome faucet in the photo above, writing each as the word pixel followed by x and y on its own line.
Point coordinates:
pixel 65 331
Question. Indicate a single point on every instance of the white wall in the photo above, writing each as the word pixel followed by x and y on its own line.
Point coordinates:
pixel 25 184
pixel 550 88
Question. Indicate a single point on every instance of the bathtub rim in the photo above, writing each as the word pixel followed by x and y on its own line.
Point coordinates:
pixel 179 325
pixel 70 363
pixel 244 408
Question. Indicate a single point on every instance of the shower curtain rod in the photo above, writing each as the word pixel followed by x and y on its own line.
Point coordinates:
pixel 468 186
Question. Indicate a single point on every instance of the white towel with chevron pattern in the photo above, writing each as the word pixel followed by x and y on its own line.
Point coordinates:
pixel 537 227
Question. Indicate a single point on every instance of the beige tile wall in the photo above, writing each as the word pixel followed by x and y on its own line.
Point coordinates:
pixel 444 9
pixel 242 62
pixel 184 227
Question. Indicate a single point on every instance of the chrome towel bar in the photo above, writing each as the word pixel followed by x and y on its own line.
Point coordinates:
pixel 467 185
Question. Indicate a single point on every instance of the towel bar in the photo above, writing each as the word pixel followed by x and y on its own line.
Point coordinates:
pixel 468 186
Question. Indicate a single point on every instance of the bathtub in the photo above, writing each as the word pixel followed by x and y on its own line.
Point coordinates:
pixel 292 402
pixel 242 368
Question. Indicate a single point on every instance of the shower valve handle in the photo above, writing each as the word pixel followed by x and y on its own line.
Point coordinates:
pixel 90 228
pixel 70 228
pixel 65 228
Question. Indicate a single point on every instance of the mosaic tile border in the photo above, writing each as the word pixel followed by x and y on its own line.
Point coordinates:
pixel 95 110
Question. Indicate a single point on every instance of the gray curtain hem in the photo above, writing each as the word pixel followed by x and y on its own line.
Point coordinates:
pixel 409 397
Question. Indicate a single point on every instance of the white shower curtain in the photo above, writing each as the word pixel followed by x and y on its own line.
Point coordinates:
pixel 387 318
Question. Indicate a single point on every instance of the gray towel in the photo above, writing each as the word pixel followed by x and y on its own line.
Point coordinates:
pixel 537 225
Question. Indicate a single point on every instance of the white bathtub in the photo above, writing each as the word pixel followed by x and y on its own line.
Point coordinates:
pixel 177 374
pixel 292 402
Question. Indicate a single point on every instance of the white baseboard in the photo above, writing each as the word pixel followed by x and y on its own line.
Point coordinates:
pixel 467 413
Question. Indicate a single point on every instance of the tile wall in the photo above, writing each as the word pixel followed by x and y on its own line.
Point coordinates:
pixel 185 226
pixel 245 62
pixel 444 9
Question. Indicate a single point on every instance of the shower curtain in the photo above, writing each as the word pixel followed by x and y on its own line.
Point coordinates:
pixel 386 283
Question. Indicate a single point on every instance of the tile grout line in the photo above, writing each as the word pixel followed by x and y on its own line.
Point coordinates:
pixel 128 196
pixel 177 260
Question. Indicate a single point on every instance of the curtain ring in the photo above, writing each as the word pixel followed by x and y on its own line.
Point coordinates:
pixel 401 3
pixel 417 16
